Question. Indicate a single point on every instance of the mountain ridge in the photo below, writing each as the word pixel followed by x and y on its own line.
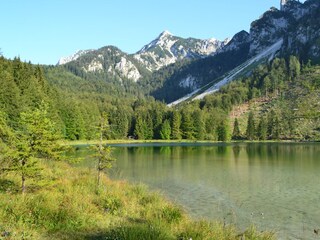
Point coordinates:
pixel 164 50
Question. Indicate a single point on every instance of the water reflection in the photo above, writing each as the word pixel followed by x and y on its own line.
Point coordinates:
pixel 274 186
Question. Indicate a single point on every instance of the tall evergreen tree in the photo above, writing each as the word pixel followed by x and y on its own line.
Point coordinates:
pixel 140 127
pixel 262 129
pixel 187 125
pixel 222 131
pixel 103 153
pixel 199 124
pixel 176 124
pixel 236 135
pixel 294 67
pixel 276 128
pixel 251 130
pixel 165 131
pixel 36 140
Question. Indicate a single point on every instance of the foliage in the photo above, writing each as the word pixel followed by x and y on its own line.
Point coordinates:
pixel 236 135
pixel 35 140
pixel 103 153
pixel 251 129
pixel 283 86
pixel 176 125
pixel 165 132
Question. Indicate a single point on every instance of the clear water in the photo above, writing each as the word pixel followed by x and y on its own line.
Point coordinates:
pixel 275 186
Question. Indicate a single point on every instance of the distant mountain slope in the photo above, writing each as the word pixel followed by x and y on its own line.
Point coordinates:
pixel 296 26
pixel 237 72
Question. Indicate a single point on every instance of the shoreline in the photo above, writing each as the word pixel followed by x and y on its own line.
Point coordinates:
pixel 174 142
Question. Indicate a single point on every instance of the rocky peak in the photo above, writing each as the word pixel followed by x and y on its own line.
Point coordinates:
pixel 269 29
pixel 164 34
pixel 167 49
pixel 73 57
pixel 164 40
pixel 237 41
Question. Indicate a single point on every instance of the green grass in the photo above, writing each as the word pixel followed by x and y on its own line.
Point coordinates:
pixel 67 205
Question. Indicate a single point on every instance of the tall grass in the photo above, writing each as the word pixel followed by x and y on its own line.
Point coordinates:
pixel 66 205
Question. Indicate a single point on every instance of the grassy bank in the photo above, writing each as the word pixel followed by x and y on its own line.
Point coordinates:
pixel 66 205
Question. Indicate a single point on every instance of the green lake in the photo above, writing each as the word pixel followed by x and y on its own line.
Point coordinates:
pixel 275 186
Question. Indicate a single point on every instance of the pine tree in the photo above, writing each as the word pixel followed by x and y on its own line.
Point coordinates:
pixel 37 139
pixel 103 153
pixel 149 127
pixel 276 129
pixel 6 134
pixel 199 124
pixel 236 135
pixel 120 123
pixel 250 133
pixel 262 129
pixel 266 85
pixel 165 131
pixel 187 125
pixel 176 124
pixel 222 131
pixel 140 127
pixel 294 67
pixel 157 118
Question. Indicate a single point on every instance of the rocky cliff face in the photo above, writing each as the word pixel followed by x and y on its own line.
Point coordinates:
pixel 303 38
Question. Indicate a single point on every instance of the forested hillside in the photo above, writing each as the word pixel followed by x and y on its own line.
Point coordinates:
pixel 282 98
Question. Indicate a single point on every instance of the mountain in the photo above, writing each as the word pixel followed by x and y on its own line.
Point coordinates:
pixel 73 57
pixel 176 81
pixel 164 50
pixel 168 49
pixel 296 27
pixel 172 67
pixel 107 63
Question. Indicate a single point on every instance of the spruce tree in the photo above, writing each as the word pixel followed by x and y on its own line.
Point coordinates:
pixel 222 131
pixel 165 131
pixel 187 125
pixel 37 139
pixel 294 67
pixel 103 153
pixel 199 124
pixel 262 129
pixel 140 128
pixel 274 125
pixel 176 124
pixel 250 133
pixel 236 135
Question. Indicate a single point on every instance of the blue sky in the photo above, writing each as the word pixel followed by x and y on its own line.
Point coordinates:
pixel 42 31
